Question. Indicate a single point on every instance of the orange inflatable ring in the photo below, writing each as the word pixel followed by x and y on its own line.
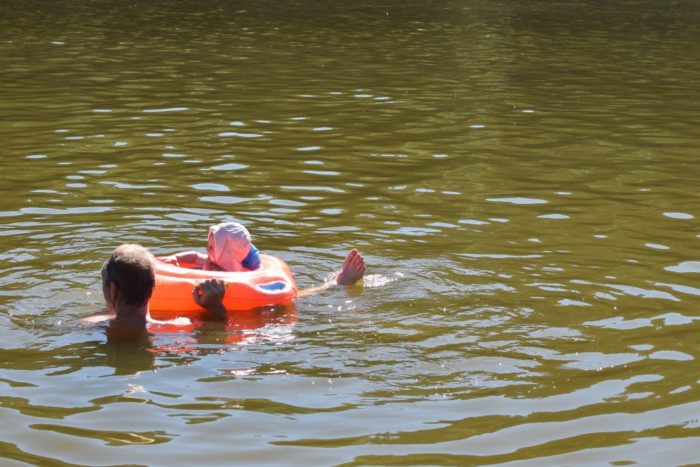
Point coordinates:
pixel 271 284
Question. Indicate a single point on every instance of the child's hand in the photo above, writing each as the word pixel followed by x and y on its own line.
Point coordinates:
pixel 169 260
pixel 210 295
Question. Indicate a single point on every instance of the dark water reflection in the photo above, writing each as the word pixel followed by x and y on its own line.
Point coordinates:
pixel 520 175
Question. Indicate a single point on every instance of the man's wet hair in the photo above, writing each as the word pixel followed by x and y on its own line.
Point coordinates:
pixel 130 267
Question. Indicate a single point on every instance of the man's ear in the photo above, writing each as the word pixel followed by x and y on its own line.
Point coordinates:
pixel 113 292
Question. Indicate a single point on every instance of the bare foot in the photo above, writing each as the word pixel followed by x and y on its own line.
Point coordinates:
pixel 353 268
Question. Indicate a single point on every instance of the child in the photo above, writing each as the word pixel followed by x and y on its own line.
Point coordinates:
pixel 229 249
pixel 210 293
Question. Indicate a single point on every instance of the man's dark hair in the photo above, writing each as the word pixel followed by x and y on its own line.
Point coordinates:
pixel 130 267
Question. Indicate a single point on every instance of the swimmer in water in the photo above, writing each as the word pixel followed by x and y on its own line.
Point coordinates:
pixel 128 280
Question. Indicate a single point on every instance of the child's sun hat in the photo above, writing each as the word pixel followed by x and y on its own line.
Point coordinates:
pixel 233 250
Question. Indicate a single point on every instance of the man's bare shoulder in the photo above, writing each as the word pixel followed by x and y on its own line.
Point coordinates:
pixel 101 317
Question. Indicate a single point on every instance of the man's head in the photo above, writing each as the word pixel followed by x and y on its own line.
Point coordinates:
pixel 128 277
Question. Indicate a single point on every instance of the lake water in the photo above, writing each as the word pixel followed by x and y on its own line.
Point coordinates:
pixel 521 176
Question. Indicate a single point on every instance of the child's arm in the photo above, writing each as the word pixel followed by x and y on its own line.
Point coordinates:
pixel 187 258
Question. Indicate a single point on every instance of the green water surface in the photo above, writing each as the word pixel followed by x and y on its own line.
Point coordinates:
pixel 521 177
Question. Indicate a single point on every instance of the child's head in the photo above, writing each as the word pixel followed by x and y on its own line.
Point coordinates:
pixel 230 247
